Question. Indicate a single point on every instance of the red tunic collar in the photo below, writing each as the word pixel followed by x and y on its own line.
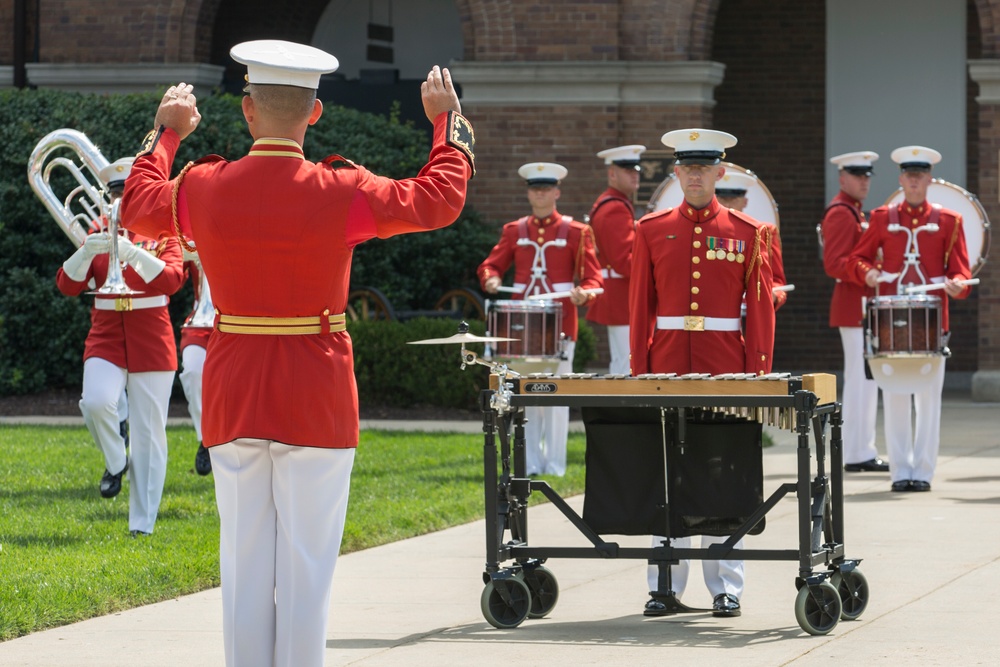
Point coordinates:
pixel 845 198
pixel 548 220
pixel 272 147
pixel 922 210
pixel 699 214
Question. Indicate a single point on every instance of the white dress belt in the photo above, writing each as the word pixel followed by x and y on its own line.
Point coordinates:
pixel 126 303
pixel 610 273
pixel 698 323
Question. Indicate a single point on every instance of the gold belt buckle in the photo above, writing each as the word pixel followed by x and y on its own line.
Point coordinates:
pixel 123 304
pixel 694 323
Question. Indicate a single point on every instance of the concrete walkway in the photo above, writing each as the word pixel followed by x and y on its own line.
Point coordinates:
pixel 932 561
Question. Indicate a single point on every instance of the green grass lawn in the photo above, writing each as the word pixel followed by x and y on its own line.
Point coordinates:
pixel 66 553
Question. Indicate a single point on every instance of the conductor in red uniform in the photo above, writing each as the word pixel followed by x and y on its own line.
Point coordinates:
pixel 551 253
pixel 130 346
pixel 612 218
pixel 280 401
pixel 841 230
pixel 941 257
pixel 691 267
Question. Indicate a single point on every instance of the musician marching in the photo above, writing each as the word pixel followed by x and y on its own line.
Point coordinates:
pixel 921 242
pixel 551 253
pixel 130 346
pixel 841 228
pixel 691 266
pixel 612 219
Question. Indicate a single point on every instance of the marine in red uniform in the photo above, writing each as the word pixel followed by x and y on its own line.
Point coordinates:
pixel 731 191
pixel 281 407
pixel 841 229
pixel 130 347
pixel 942 257
pixel 550 253
pixel 691 267
pixel 195 332
pixel 612 218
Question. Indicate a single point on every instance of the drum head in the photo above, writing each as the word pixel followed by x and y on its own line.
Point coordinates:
pixel 975 223
pixel 760 204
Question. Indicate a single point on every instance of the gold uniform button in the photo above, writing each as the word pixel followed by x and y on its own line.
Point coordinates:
pixel 763 358
pixel 694 305
pixel 541 239
pixel 697 230
pixel 696 275
pixel 696 259
pixel 541 231
pixel 695 290
pixel 697 244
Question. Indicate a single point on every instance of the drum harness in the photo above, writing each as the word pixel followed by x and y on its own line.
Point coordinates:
pixel 539 283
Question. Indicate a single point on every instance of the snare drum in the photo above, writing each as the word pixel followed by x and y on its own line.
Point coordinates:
pixel 904 326
pixel 537 324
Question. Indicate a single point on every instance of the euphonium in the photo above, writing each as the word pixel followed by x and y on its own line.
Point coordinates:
pixel 82 208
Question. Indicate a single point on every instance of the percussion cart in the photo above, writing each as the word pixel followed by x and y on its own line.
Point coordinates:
pixel 519 586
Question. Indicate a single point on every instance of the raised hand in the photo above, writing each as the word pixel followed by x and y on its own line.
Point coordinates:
pixel 179 110
pixel 438 93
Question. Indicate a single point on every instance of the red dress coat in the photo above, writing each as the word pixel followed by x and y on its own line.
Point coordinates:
pixel 142 340
pixel 574 263
pixel 842 227
pixel 194 335
pixel 672 277
pixel 275 235
pixel 942 253
pixel 612 218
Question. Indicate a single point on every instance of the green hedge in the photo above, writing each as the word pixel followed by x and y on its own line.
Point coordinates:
pixel 42 333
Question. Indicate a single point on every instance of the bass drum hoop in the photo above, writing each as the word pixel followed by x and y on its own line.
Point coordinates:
pixel 760 203
pixel 975 223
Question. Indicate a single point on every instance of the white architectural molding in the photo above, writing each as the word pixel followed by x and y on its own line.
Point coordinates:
pixel 132 78
pixel 987 74
pixel 603 82
pixel 6 76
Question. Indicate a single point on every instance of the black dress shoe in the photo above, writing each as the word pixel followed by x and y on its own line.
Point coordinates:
pixel 919 485
pixel 139 533
pixel 902 485
pixel 202 460
pixel 725 605
pixel 656 608
pixel 872 465
pixel 111 485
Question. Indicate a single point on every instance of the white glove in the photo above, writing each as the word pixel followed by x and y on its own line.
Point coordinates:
pixel 187 255
pixel 78 264
pixel 147 265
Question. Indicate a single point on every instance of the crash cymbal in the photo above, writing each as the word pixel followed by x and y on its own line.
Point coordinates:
pixel 460 338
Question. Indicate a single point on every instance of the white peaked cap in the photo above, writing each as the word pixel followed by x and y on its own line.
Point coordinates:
pixel 698 146
pixel 858 161
pixel 916 157
pixel 276 62
pixel 542 173
pixel 734 181
pixel 114 174
pixel 623 156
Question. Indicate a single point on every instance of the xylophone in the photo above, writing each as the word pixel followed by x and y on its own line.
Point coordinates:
pixel 519 586
pixel 740 394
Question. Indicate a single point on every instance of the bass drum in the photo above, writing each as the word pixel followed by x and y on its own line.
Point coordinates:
pixel 975 224
pixel 760 204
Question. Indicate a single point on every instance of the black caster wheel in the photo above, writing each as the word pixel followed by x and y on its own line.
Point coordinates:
pixel 505 613
pixel 544 590
pixel 818 608
pixel 853 589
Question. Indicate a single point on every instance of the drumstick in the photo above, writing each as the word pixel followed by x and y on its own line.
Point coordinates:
pixel 565 295
pixel 512 290
pixel 783 288
pixel 911 289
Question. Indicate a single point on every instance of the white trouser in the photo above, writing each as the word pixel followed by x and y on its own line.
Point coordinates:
pixel 913 455
pixel 123 406
pixel 149 394
pixel 618 346
pixel 546 429
pixel 721 576
pixel 860 400
pixel 281 511
pixel 193 361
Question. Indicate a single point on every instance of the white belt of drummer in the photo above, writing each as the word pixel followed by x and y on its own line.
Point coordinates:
pixel 556 287
pixel 698 323
pixel 127 303
pixel 610 273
